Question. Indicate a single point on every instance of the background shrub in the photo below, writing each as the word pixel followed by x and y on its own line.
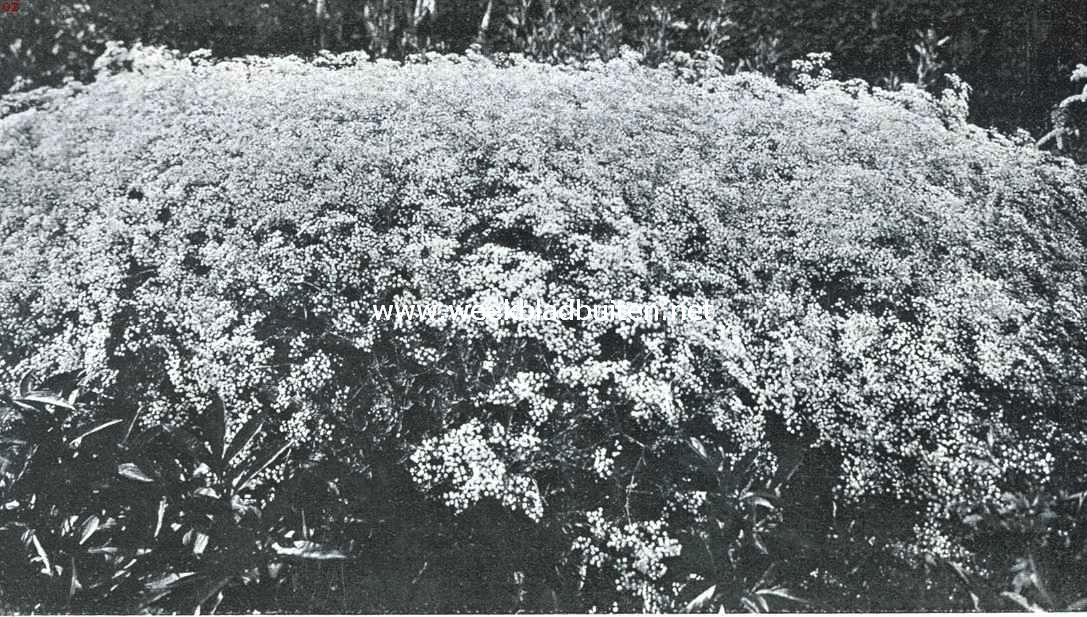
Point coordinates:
pixel 898 330
pixel 1016 55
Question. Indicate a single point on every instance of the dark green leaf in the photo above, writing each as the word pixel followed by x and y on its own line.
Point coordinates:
pixel 782 592
pixel 133 472
pixel 213 424
pixel 244 479
pixel 160 586
pixel 28 411
pixel 702 601
pixel 758 500
pixel 172 580
pixel 47 566
pixel 188 443
pixel 74 586
pixel 303 549
pixel 243 437
pixel 160 517
pixel 200 542
pixel 78 440
pixel 47 398
pixel 1022 602
pixel 24 383
pixel 696 445
pixel 90 525
pixel 211 588
pixel 131 425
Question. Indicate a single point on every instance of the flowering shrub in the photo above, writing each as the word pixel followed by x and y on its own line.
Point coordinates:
pixel 898 297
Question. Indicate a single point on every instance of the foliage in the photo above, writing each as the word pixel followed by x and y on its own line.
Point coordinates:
pixel 897 295
pixel 589 30
pixel 732 545
pixel 1035 546
pixel 117 519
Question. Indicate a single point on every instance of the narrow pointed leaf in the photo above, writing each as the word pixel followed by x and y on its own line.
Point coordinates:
pixel 702 600
pixel 213 424
pixel 78 441
pixel 47 398
pixel 303 549
pixel 215 604
pixel 160 518
pixel 24 408
pixel 89 527
pixel 47 566
pixel 244 436
pixel 1022 601
pixel 168 581
pixel 767 576
pixel 696 445
pixel 210 589
pixel 74 586
pixel 758 500
pixel 243 480
pixel 131 425
pixel 133 472
pixel 781 592
pixel 200 543
pixel 24 383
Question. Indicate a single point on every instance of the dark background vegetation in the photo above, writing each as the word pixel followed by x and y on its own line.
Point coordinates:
pixel 1017 55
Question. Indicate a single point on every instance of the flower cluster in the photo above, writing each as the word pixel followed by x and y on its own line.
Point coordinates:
pixel 811 71
pixel 634 553
pixel 463 467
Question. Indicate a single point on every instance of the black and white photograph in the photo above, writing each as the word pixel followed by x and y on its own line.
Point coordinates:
pixel 543 306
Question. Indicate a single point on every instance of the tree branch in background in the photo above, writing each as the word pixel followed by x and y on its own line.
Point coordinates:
pixel 485 22
pixel 322 24
pixel 1064 116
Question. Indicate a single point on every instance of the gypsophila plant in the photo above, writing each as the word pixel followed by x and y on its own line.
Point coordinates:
pixel 900 300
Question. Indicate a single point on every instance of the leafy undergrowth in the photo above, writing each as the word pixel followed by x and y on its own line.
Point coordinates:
pixel 897 341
